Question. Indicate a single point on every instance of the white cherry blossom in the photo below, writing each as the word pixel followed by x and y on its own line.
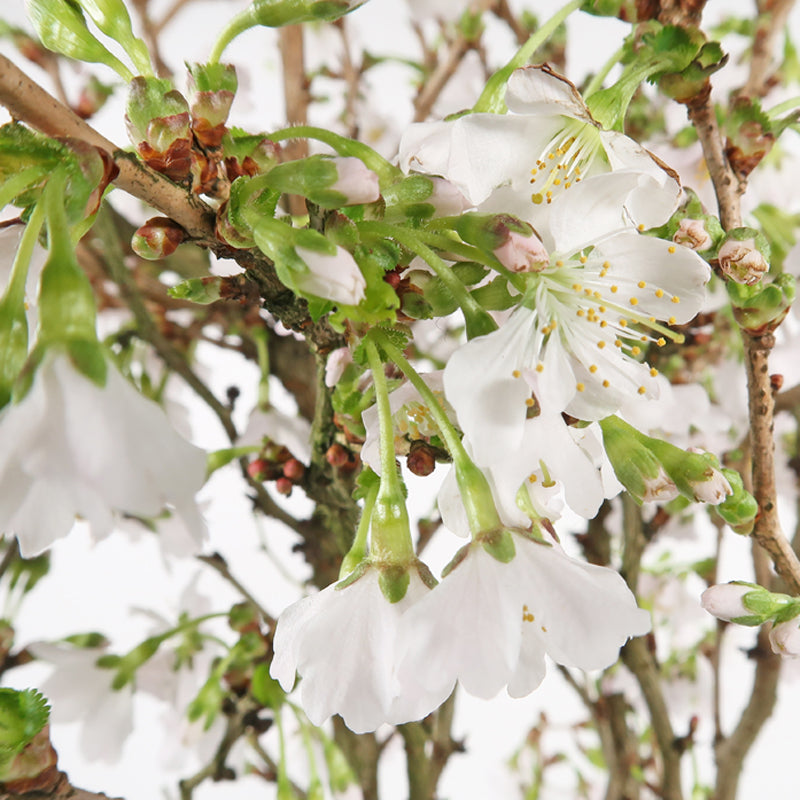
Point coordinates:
pixel 524 161
pixel 489 624
pixel 342 642
pixel 70 447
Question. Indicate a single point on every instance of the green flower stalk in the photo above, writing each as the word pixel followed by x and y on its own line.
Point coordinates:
pixel 277 13
pixel 112 17
pixel 62 29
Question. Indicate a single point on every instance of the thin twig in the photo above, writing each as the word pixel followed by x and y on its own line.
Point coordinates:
pixel 217 562
pixel 771 24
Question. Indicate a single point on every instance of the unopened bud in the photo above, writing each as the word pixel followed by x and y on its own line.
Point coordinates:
pixel 294 470
pixel 520 253
pixel 338 361
pixel 284 486
pixel 421 459
pixel 337 456
pixel 692 233
pixel 446 198
pixel 726 600
pixel 158 238
pixel 212 89
pixel 785 637
pixel 742 262
pixel 260 469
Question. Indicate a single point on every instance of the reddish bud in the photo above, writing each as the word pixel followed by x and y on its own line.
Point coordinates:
pixel 337 456
pixel 421 459
pixel 294 470
pixel 284 486
pixel 158 238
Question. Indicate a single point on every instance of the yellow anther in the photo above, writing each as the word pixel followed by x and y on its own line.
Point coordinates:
pixel 577 287
pixel 623 323
pixel 577 170
pixel 593 368
pixel 641 284
pixel 578 180
pixel 606 264
pixel 516 373
pixel 603 323
pixel 661 341
pixel 603 273
pixel 567 184
pixel 559 263
pixel 532 478
pixel 587 292
pixel 539 367
pixel 583 259
pixel 614 289
pixel 580 387
pixel 597 295
pixel 672 320
pixel 675 299
pixel 671 248
pixel 601 309
pixel 601 344
pixel 618 343
pixel 536 198
pixel 642 390
pixel 557 182
pixel 635 350
pixel 606 384
pixel 659 292
pixel 580 312
pixel 551 156
pixel 634 301
pixel 530 402
pixel 653 372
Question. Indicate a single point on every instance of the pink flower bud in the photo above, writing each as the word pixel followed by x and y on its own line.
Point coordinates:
pixel 338 361
pixel 447 198
pixel 785 637
pixel 742 261
pixel 356 182
pixel 333 277
pixel 692 233
pixel 725 600
pixel 521 253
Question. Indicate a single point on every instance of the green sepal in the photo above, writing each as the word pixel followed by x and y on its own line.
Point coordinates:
pixel 499 544
pixel 408 198
pixel 310 177
pixel 87 640
pixel 788 610
pixel 357 573
pixel 13 347
pixel 760 309
pixel 23 714
pixel 61 28
pixel 112 18
pixel 489 231
pixel 740 508
pixel 266 689
pixel 494 296
pixel 393 581
pixel 688 83
pixel 88 358
pixel 202 291
pixel 128 664
pixel 634 463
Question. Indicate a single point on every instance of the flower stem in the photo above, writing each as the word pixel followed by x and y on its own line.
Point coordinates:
pixel 492 96
pixel 477 318
pixel 476 493
pixel 387 173
pixel 358 550
pixel 391 531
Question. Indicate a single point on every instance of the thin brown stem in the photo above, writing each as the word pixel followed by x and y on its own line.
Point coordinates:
pixel 769 28
pixel 28 102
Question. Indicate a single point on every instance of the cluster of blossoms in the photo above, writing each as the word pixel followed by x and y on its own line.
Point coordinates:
pixel 526 412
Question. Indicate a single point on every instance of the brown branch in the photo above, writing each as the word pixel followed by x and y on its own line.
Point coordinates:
pixel 28 102
pixel 297 96
pixel 767 529
pixel 150 32
pixel 771 23
pixel 726 185
pixel 437 80
pixel 730 753
pixel 63 790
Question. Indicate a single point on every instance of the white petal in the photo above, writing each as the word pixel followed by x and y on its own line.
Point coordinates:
pixel 540 91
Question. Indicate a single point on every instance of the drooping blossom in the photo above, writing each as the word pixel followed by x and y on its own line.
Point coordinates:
pixel 342 642
pixel 71 448
pixel 489 624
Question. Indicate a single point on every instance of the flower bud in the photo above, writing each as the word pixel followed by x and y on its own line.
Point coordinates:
pixel 740 508
pixel 249 155
pixel 726 600
pixel 330 182
pixel 212 88
pixel 332 277
pixel 446 198
pixel 338 361
pixel 421 458
pixel 692 233
pixel 761 309
pixel 785 637
pixel 743 257
pixel 294 470
pixel 158 238
pixel 158 122
pixel 521 253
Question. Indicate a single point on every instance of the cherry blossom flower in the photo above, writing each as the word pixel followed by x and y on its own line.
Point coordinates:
pixel 578 333
pixel 333 277
pixel 489 624
pixel 342 642
pixel 70 447
pixel 523 162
